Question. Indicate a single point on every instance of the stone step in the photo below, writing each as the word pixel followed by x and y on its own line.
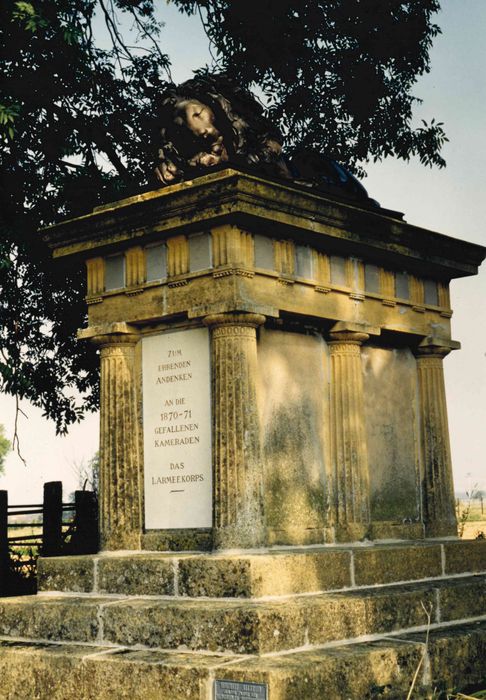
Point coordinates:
pixel 241 626
pixel 453 659
pixel 268 573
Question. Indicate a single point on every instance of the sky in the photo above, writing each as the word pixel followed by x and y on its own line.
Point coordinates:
pixel 450 201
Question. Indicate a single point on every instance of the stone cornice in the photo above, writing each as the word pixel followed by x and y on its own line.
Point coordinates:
pixel 304 216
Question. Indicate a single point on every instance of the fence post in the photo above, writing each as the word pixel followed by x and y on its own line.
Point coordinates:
pixel 52 519
pixel 4 555
pixel 86 535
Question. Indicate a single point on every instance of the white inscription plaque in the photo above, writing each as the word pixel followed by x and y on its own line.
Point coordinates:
pixel 177 430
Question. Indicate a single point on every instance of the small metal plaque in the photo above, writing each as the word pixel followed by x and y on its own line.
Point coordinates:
pixel 236 690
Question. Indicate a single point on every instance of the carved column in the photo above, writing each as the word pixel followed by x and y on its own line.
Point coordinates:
pixel 238 473
pixel 438 486
pixel 349 460
pixel 120 482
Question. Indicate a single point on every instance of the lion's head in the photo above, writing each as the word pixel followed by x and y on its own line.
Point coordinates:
pixel 208 121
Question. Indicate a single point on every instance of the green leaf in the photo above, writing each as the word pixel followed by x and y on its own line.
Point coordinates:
pixel 5 448
pixel 25 8
pixel 25 12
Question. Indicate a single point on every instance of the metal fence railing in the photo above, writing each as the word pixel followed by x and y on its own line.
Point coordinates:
pixel 55 528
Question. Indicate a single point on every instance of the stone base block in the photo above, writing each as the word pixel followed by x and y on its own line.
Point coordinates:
pixel 299 536
pixel 379 565
pixel 260 574
pixel 396 531
pixel 453 660
pixel 241 626
pixel 61 672
pixel 445 528
pixel 178 540
pixel 464 556
pixel 308 623
pixel 351 532
pixel 216 576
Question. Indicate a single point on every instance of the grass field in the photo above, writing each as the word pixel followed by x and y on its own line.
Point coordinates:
pixel 25 550
pixel 22 531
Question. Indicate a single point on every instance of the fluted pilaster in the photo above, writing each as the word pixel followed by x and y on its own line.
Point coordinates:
pixel 120 487
pixel 438 486
pixel 350 487
pixel 177 256
pixel 238 473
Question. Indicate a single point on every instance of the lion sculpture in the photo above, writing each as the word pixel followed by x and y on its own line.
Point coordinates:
pixel 209 122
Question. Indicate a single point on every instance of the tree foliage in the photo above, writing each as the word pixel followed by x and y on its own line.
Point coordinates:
pixel 5 448
pixel 76 110
pixel 73 127
pixel 337 74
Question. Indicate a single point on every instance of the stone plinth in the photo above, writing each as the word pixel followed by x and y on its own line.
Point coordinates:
pixel 299 624
pixel 325 325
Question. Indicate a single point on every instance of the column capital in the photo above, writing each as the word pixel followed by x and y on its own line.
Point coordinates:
pixel 118 333
pixel 234 319
pixel 432 346
pixel 353 333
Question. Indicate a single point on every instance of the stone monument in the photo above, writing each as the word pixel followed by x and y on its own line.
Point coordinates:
pixel 276 498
